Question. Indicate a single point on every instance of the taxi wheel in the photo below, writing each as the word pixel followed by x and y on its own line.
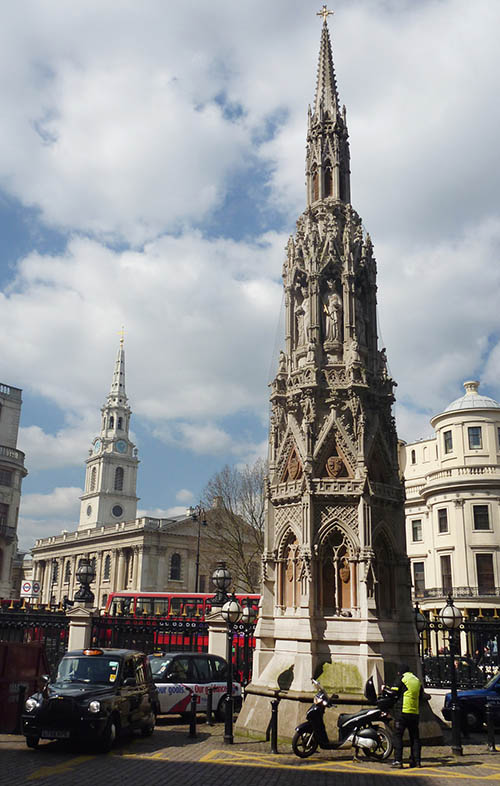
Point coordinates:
pixel 220 712
pixel 109 736
pixel 32 742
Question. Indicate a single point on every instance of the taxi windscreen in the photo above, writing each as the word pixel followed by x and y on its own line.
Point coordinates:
pixel 92 669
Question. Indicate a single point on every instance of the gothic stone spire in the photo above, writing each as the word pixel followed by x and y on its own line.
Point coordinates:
pixel 327 158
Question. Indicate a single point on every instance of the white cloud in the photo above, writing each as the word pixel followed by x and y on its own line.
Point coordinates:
pixel 184 495
pixel 42 515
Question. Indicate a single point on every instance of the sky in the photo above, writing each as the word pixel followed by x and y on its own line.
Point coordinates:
pixel 151 171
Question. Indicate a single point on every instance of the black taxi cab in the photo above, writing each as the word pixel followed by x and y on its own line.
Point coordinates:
pixel 96 695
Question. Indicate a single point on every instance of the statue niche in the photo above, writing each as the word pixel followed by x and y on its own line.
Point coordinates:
pixel 290 569
pixel 302 316
pixel 332 314
pixel 338 590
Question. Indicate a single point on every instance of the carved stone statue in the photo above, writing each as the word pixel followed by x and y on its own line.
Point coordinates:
pixel 332 308
pixel 303 319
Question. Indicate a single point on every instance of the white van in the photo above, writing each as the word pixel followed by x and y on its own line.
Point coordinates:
pixel 178 675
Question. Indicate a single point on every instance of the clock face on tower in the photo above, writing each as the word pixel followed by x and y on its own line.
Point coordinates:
pixel 97 446
pixel 121 446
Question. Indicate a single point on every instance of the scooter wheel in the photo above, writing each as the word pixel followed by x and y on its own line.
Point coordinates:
pixel 384 746
pixel 304 744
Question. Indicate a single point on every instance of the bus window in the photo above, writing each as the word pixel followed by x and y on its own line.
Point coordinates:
pixel 122 606
pixel 175 606
pixel 161 607
pixel 144 606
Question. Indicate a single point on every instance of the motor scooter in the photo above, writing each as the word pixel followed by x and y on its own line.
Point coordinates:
pixel 357 729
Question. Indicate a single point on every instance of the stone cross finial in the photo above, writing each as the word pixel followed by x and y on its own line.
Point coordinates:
pixel 325 13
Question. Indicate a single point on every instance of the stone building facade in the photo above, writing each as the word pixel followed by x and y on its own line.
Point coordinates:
pixel 12 472
pixel 336 596
pixel 128 553
pixel 453 506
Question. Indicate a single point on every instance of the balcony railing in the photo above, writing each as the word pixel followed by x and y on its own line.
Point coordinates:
pixel 12 455
pixel 456 592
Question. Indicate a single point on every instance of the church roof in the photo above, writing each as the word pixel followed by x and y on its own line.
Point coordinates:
pixel 472 399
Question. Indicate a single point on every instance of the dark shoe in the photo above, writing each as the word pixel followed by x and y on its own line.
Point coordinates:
pixel 397 765
pixel 415 764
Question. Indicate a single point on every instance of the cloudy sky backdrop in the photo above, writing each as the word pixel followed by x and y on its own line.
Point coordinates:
pixel 151 170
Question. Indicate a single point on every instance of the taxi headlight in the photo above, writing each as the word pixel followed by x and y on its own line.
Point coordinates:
pixel 31 704
pixel 95 706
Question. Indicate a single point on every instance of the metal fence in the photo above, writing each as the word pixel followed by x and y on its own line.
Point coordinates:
pixel 476 653
pixel 154 634
pixel 23 623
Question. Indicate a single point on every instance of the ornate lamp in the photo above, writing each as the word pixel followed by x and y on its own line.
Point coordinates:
pixel 231 611
pixel 85 575
pixel 451 617
pixel 222 580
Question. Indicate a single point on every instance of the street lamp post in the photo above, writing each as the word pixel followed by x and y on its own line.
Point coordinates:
pixel 451 617
pixel 222 580
pixel 248 617
pixel 231 611
pixel 198 514
pixel 85 575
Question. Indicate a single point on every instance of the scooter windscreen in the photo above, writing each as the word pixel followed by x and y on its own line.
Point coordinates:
pixel 370 692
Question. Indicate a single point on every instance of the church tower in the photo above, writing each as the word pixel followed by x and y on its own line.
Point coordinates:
pixel 336 586
pixel 111 475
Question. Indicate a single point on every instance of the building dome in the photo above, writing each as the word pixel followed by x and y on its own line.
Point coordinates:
pixel 472 399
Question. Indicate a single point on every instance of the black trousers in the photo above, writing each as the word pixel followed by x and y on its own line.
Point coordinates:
pixel 408 721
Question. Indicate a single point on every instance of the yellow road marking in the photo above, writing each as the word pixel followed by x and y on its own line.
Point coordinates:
pixel 148 756
pixel 444 770
pixel 59 769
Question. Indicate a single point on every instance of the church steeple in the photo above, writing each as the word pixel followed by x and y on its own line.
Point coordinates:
pixel 111 476
pixel 327 157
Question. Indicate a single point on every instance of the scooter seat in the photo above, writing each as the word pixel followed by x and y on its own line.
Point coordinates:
pixel 345 717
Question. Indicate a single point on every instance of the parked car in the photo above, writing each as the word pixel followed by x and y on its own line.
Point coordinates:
pixel 96 695
pixel 472 704
pixel 179 675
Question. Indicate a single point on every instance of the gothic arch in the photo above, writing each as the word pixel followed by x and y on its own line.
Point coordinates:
pixel 338 569
pixel 289 571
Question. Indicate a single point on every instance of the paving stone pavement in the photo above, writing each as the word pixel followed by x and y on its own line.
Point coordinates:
pixel 171 756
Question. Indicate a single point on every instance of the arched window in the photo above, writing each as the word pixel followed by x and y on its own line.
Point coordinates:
pixel 413 457
pixel 93 565
pixel 107 568
pixel 120 423
pixel 175 567
pixel 315 183
pixel 111 421
pixel 55 572
pixel 93 479
pixel 67 572
pixel 338 575
pixel 328 191
pixel 119 479
pixel 291 568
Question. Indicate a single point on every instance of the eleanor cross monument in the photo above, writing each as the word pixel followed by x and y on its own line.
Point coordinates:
pixel 336 583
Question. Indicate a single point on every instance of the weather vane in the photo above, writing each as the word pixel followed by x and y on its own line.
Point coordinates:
pixel 325 13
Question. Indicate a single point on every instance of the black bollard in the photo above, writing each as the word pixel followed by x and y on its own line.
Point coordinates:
pixel 274 725
pixel 20 707
pixel 192 719
pixel 210 695
pixel 490 723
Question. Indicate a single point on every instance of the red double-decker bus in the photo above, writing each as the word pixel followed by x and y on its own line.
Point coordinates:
pixel 194 605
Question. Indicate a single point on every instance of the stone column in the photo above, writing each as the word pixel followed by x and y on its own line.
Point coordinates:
pixel 80 627
pixel 120 571
pixel 217 633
